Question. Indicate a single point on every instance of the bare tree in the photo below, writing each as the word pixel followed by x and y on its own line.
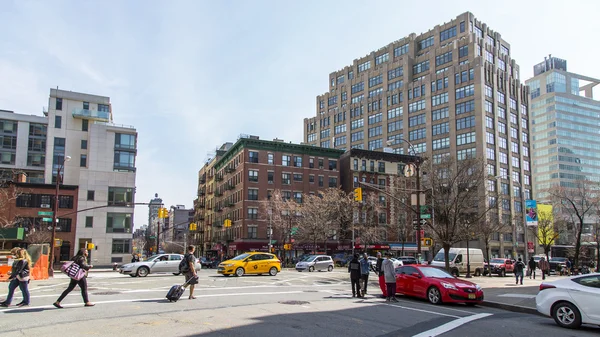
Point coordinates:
pixel 579 203
pixel 456 188
pixel 38 235
pixel 315 223
pixel 283 215
pixel 486 228
pixel 371 220
pixel 9 193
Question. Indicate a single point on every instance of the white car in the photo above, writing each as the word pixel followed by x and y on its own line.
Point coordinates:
pixel 161 263
pixel 571 301
pixel 397 263
pixel 372 261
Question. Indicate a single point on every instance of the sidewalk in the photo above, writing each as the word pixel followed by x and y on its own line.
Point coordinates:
pixel 503 293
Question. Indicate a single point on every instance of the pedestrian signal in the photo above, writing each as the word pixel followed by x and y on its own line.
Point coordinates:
pixel 358 194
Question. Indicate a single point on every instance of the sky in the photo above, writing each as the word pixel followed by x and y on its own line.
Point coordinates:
pixel 191 75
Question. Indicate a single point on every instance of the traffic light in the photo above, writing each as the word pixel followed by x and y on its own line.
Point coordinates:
pixel 358 194
pixel 58 242
pixel 90 246
pixel 163 213
pixel 227 223
pixel 193 226
pixel 427 242
pixel 287 246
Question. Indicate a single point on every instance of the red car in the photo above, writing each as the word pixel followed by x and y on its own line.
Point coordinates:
pixel 436 285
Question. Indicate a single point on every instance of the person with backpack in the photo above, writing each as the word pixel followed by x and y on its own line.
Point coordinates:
pixel 19 277
pixel 187 267
pixel 519 268
pixel 365 269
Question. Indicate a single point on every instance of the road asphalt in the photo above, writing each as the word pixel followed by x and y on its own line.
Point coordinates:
pixel 290 304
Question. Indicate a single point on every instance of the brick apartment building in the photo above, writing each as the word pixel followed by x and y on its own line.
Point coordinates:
pixel 26 200
pixel 234 185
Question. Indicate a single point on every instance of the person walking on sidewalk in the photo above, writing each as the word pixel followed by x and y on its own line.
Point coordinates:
pixel 190 271
pixel 519 269
pixel 532 266
pixel 354 270
pixel 365 269
pixel 544 267
pixel 81 260
pixel 379 272
pixel 390 278
pixel 19 277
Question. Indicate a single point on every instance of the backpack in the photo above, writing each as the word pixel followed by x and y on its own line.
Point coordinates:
pixel 184 265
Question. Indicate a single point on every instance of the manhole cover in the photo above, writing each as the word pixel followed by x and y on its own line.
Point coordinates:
pixel 107 293
pixel 294 302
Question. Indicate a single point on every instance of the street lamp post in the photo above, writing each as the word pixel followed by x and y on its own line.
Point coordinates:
pixel 55 217
pixel 468 252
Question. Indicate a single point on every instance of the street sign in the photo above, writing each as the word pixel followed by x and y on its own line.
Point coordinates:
pixel 45 213
pixel 425 216
pixel 153 237
pixel 47 219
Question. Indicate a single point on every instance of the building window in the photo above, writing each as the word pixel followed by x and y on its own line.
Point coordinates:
pixel 252 157
pixel 253 175
pixel 121 246
pixel 118 223
pixel 253 213
pixel 333 182
pixel 450 32
pixel 57 122
pixel 381 167
pixel 399 51
pixel 124 160
pixel 252 232
pixel 84 144
pixel 270 157
pixel 90 195
pixel 270 177
pixel 311 162
pixel 321 180
pixel 252 194
pixel 58 103
pixel 84 125
pixel 298 161
pixel 89 221
pixel 311 178
pixel 286 160
pixel 120 196
pixel 286 179
pixel 83 160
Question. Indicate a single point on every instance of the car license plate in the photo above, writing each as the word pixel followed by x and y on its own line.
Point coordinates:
pixel 471 296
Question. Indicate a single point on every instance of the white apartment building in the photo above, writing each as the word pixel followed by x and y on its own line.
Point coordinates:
pixel 102 165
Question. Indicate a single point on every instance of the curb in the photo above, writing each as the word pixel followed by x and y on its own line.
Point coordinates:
pixel 511 307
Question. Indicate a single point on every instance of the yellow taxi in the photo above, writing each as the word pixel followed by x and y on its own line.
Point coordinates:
pixel 250 263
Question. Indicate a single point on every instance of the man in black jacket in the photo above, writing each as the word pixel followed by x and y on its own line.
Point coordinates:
pixel 354 270
pixel 532 266
pixel 379 272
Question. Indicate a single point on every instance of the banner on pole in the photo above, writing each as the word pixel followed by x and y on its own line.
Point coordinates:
pixel 531 213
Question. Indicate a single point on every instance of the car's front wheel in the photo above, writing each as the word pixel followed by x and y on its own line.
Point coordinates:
pixel 132 275
pixel 566 315
pixel 434 295
pixel 455 273
pixel 176 274
pixel 330 268
pixel 273 271
pixel 143 271
pixel 311 269
pixel 239 272
pixel 503 273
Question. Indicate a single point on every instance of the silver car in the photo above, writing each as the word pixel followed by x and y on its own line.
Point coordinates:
pixel 315 262
pixel 161 263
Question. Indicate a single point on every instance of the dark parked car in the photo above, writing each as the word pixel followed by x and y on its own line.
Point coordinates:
pixel 206 263
pixel 557 263
pixel 340 260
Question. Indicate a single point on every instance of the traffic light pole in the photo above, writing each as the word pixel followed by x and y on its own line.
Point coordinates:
pixel 419 226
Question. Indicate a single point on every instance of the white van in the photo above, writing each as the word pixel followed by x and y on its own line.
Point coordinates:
pixel 458 261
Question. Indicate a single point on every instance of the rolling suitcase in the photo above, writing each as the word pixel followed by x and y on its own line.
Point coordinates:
pixel 177 290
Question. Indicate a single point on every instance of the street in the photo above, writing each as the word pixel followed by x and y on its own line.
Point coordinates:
pixel 290 304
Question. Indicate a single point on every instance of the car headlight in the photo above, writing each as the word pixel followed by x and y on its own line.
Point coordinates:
pixel 449 286
pixel 228 265
pixel 478 287
pixel 127 266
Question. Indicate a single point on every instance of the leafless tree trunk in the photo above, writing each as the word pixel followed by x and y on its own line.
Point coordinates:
pixel 486 228
pixel 579 203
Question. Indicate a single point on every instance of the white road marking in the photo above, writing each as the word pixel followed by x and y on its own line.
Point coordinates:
pixel 451 325
pixel 152 299
pixel 517 295
pixel 422 310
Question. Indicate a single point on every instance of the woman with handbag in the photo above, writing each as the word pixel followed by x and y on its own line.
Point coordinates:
pixel 19 277
pixel 79 267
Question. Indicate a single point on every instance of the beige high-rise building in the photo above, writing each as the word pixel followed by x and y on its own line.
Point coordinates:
pixel 452 91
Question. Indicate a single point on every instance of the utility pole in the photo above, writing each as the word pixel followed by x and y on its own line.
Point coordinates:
pixel 419 226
